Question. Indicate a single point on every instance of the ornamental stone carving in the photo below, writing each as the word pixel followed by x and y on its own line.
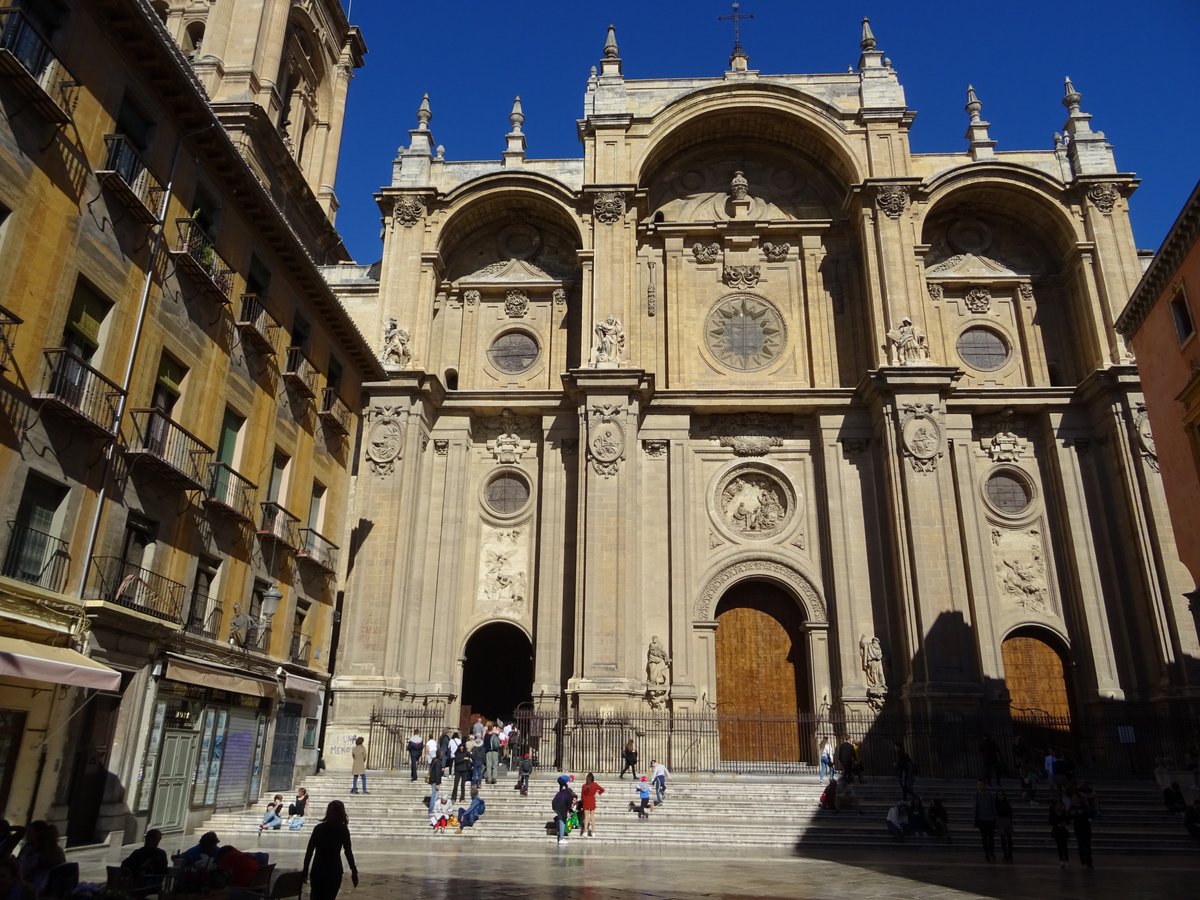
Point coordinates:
pixel 506 438
pixel 1020 568
pixel 892 199
pixel 741 277
pixel 1004 446
pixel 651 293
pixel 471 297
pixel 920 436
pixel 749 434
pixel 1104 196
pixel 560 297
pixel 936 292
pixel 754 503
pixel 908 346
pixel 516 304
pixel 606 439
pixel 1145 437
pixel 745 332
pixel 408 210
pixel 655 449
pixel 775 252
pixel 706 253
pixel 609 349
pixel 739 187
pixel 441 446
pixel 870 652
pixel 1026 291
pixel 658 679
pixel 384 439
pixel 792 578
pixel 503 568
pixel 609 207
pixel 396 349
pixel 978 300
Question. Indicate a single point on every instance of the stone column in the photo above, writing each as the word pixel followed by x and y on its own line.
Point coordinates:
pixel 684 691
pixel 555 536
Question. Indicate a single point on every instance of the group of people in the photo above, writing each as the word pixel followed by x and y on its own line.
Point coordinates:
pixel 273 819
pixel 1174 800
pixel 27 875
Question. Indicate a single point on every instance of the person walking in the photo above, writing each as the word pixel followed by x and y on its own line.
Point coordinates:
pixel 989 753
pixel 475 748
pixel 845 757
pixel 462 774
pixel 659 779
pixel 492 753
pixel 525 771
pixel 1058 831
pixel 985 820
pixel 323 858
pixel 591 791
pixel 358 768
pixel 631 758
pixel 643 791
pixel 905 771
pixel 1081 822
pixel 416 744
pixel 1004 825
pixel 435 780
pixel 826 760
pixel 561 804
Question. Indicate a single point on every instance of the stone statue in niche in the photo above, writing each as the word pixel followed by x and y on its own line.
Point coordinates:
pixel 658 666
pixel 610 344
pixel 871 654
pixel 739 187
pixel 908 345
pixel 1020 569
pixel 396 350
pixel 752 505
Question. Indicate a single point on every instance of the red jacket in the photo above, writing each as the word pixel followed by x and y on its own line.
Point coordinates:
pixel 590 793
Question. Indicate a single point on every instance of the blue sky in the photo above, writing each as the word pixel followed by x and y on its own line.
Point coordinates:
pixel 1133 63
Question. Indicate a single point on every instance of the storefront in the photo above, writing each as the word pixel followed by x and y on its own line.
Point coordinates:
pixel 207 742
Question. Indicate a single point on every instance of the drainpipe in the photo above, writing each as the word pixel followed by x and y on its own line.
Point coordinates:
pixel 143 309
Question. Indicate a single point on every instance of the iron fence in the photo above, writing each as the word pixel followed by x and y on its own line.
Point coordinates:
pixel 391 729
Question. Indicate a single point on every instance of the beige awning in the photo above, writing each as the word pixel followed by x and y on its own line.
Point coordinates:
pixel 214 675
pixel 301 685
pixel 55 665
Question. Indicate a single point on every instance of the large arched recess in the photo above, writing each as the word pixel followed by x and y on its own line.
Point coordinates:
pixel 497 671
pixel 1041 694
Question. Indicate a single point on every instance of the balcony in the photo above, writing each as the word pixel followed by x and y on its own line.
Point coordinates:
pixel 301 649
pixel 230 493
pixel 204 617
pixel 34 70
pixel 8 337
pixel 170 449
pixel 36 558
pixel 249 633
pixel 73 387
pixel 300 373
pixel 113 580
pixel 317 550
pixel 334 412
pixel 257 327
pixel 125 174
pixel 196 255
pixel 279 525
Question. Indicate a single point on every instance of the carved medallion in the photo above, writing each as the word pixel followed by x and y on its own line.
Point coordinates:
pixel 408 210
pixel 754 503
pixel 706 253
pixel 978 300
pixel 742 277
pixel 745 332
pixel 516 304
pixel 1020 569
pixel 383 440
pixel 1104 196
pixel 921 436
pixel 609 207
pixel 892 199
pixel 775 252
pixel 606 439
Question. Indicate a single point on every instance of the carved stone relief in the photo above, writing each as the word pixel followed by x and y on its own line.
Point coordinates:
pixel 920 436
pixel 651 292
pixel 516 304
pixel 655 449
pixel 741 277
pixel 508 437
pixel 892 199
pixel 775 252
pixel 658 674
pixel 1004 446
pixel 384 439
pixel 396 349
pixel 609 207
pixel 503 572
pixel 1026 291
pixel 908 345
pixel 936 292
pixel 560 297
pixel 471 297
pixel 796 580
pixel 748 434
pixel 606 439
pixel 706 253
pixel 1020 568
pixel 1104 196
pixel 739 186
pixel 408 210
pixel 609 349
pixel 1145 437
pixel 745 332
pixel 978 300
pixel 441 446
pixel 754 503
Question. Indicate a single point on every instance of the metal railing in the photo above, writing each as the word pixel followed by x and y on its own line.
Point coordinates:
pixel 204 616
pixel 179 452
pixel 300 372
pixel 279 524
pixel 124 161
pixel 231 490
pixel 8 336
pixel 198 253
pixel 113 580
pixel 391 730
pixel 257 325
pixel 30 54
pixel 70 382
pixel 36 557
pixel 318 549
pixel 334 412
pixel 301 649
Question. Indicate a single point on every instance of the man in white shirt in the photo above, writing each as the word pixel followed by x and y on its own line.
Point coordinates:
pixel 455 742
pixel 660 781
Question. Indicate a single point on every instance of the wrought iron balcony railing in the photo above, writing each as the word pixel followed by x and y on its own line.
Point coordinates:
pixel 334 412
pixel 113 580
pixel 301 649
pixel 126 175
pixel 74 387
pixel 32 66
pixel 8 336
pixel 257 326
pixel 230 492
pixel 318 550
pixel 197 254
pixel 170 448
pixel 300 372
pixel 280 525
pixel 204 616
pixel 36 557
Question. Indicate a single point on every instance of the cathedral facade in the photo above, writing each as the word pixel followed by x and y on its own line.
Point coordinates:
pixel 753 410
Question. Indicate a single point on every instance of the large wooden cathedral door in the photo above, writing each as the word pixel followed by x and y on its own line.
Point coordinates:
pixel 762 674
pixel 1039 698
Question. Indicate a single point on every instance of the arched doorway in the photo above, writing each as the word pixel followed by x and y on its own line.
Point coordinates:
pixel 763 690
pixel 1039 692
pixel 497 672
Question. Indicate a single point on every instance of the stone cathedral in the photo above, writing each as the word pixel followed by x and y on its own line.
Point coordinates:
pixel 752 409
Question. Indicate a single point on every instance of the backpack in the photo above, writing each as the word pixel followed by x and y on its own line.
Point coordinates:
pixel 493 742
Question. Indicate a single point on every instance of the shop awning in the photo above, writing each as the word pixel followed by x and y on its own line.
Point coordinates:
pixel 55 665
pixel 300 685
pixel 215 675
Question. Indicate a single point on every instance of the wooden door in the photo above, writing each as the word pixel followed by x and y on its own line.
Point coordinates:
pixel 1036 677
pixel 761 674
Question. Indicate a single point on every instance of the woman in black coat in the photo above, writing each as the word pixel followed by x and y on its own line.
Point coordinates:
pixel 631 758
pixel 329 839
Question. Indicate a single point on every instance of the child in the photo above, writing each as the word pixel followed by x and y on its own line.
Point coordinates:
pixel 643 792
pixel 522 784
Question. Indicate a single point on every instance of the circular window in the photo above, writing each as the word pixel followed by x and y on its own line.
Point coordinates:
pixel 983 349
pixel 1008 493
pixel 745 333
pixel 507 493
pixel 513 352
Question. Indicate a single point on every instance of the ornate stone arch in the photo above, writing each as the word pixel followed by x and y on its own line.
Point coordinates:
pixel 782 572
pixel 1047 631
pixel 478 626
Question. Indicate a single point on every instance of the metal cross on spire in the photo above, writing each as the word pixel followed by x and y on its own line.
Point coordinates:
pixel 736 18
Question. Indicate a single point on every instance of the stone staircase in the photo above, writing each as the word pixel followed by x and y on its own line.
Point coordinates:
pixel 715 810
